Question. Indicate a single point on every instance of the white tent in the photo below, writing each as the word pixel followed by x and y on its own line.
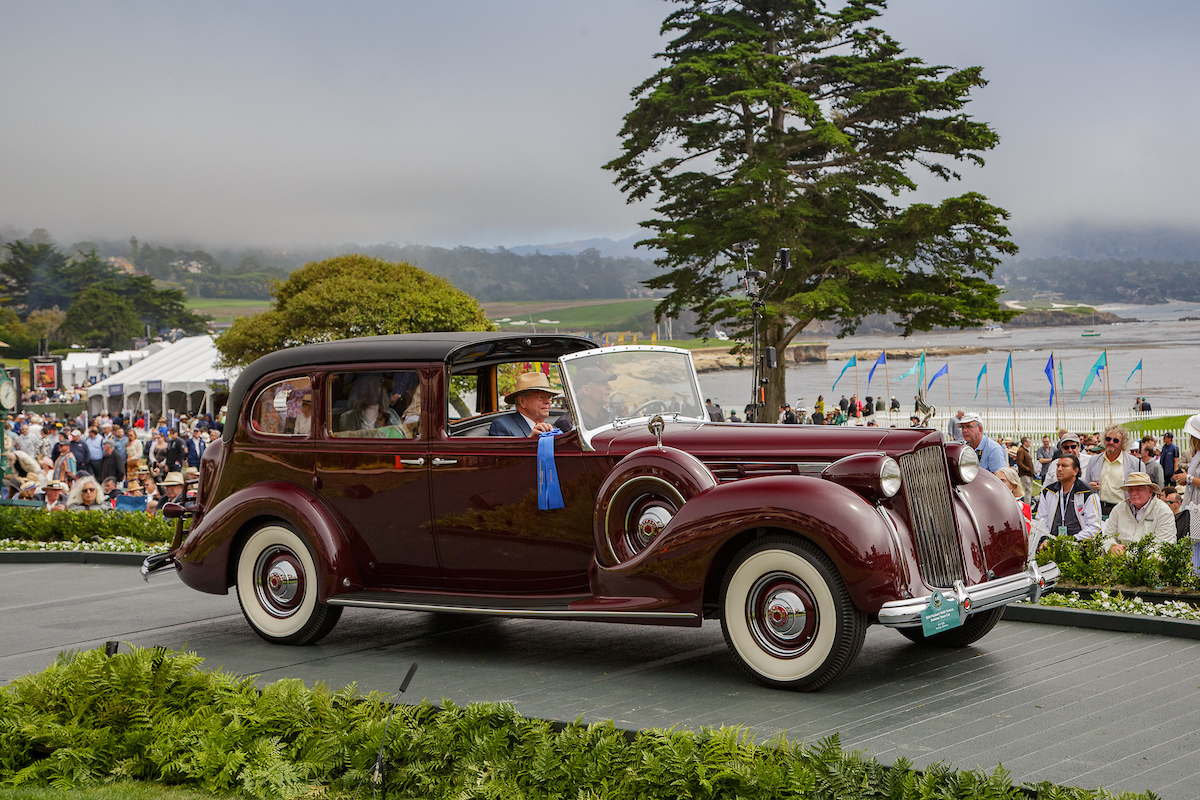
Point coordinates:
pixel 179 376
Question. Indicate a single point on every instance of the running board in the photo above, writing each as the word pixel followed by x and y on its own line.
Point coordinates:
pixel 535 610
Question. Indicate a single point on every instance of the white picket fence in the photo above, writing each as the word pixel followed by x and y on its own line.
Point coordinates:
pixel 1036 422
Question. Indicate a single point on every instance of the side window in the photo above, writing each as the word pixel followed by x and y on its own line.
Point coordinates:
pixel 463 397
pixel 375 405
pixel 506 382
pixel 284 409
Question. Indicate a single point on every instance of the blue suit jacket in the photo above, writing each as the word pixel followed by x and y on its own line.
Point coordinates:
pixel 510 425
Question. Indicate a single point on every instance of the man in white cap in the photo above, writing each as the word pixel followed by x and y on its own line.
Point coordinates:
pixel 56 499
pixel 532 399
pixel 991 453
pixel 1139 514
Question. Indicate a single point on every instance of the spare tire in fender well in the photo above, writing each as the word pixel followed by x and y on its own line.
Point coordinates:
pixel 655 481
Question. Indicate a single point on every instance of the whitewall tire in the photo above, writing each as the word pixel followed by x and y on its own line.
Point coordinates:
pixel 277 590
pixel 787 615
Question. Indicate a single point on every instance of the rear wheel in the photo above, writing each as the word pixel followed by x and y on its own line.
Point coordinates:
pixel 972 630
pixel 787 615
pixel 277 590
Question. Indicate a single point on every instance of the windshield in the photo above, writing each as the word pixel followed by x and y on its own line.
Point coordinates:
pixel 612 384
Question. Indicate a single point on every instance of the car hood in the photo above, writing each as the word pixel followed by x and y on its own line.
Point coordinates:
pixel 746 441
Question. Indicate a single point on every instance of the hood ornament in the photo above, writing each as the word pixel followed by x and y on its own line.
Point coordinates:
pixel 656 426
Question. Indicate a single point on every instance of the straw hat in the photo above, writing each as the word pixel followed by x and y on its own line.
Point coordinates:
pixel 173 479
pixel 530 382
pixel 1141 479
pixel 62 487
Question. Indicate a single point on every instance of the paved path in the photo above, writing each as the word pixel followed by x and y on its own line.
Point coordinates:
pixel 1069 705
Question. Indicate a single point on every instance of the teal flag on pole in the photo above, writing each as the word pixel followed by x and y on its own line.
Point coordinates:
pixel 1007 373
pixel 851 363
pixel 1100 364
pixel 982 372
pixel 1135 369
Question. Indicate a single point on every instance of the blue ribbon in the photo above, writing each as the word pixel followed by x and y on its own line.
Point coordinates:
pixel 549 494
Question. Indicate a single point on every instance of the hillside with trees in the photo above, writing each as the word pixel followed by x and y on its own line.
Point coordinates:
pixel 1098 282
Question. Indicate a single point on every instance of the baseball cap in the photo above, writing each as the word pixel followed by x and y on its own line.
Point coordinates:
pixel 969 418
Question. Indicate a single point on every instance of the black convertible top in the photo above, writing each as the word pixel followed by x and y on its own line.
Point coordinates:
pixel 453 347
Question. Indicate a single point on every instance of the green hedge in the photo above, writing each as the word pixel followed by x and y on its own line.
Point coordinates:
pixel 153 716
pixel 37 525
pixel 1086 563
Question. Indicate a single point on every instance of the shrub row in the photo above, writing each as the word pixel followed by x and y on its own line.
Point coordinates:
pixel 156 716
pixel 35 524
pixel 1087 563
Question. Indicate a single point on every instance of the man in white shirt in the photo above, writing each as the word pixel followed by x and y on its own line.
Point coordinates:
pixel 1110 470
pixel 1140 514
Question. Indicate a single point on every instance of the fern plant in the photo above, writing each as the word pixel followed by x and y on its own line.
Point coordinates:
pixel 150 715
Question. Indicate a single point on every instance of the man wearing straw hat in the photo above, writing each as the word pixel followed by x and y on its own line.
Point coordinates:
pixel 1141 513
pixel 531 396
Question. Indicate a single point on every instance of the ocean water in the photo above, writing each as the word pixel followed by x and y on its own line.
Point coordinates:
pixel 1168 349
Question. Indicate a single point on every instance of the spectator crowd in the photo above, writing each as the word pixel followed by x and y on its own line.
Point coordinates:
pixel 118 462
pixel 1103 485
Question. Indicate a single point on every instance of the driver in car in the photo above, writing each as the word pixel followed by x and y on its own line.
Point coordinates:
pixel 593 394
pixel 532 399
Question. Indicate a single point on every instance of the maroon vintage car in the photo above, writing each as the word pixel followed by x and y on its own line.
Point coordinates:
pixel 362 473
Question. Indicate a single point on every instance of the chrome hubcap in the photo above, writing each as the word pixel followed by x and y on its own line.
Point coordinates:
pixel 781 614
pixel 279 581
pixel 786 615
pixel 650 524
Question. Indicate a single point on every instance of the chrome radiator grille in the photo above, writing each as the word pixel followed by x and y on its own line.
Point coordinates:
pixel 927 490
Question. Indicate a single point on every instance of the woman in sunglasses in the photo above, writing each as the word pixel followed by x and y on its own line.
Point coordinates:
pixel 85 496
pixel 1109 471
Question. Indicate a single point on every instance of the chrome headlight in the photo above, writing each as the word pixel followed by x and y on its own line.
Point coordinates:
pixel 889 477
pixel 964 464
pixel 870 474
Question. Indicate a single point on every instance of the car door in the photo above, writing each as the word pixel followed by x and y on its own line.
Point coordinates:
pixel 376 478
pixel 491 535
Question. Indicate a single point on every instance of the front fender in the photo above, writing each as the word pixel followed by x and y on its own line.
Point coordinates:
pixel 203 557
pixel 848 528
pixel 998 522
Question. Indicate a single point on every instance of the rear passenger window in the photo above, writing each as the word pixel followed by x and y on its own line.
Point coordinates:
pixel 284 409
pixel 375 405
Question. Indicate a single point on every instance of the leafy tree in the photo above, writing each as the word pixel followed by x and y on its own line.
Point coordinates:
pixel 99 317
pixel 787 124
pixel 348 296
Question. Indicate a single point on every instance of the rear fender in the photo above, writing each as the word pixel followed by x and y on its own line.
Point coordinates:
pixel 204 557
pixel 848 528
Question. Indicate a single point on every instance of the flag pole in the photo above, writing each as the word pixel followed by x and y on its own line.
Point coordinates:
pixel 857 396
pixel 887 382
pixel 1141 386
pixel 1108 386
pixel 949 402
pixel 987 401
pixel 1012 378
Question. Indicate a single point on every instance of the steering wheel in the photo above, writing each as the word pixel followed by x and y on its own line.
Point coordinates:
pixel 649 407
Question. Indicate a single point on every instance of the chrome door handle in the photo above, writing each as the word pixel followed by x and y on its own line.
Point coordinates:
pixel 444 462
pixel 413 462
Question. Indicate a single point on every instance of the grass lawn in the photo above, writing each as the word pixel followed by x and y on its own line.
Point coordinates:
pixel 1156 424
pixel 621 315
pixel 224 309
pixel 130 790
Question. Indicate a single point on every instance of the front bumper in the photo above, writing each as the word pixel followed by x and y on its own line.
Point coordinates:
pixel 1027 585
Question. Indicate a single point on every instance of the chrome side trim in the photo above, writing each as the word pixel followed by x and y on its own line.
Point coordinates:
pixel 990 594
pixel 510 612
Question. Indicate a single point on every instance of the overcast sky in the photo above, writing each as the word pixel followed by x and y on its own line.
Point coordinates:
pixel 486 123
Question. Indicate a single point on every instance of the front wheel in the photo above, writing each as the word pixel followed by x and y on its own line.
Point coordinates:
pixel 277 589
pixel 972 630
pixel 788 616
